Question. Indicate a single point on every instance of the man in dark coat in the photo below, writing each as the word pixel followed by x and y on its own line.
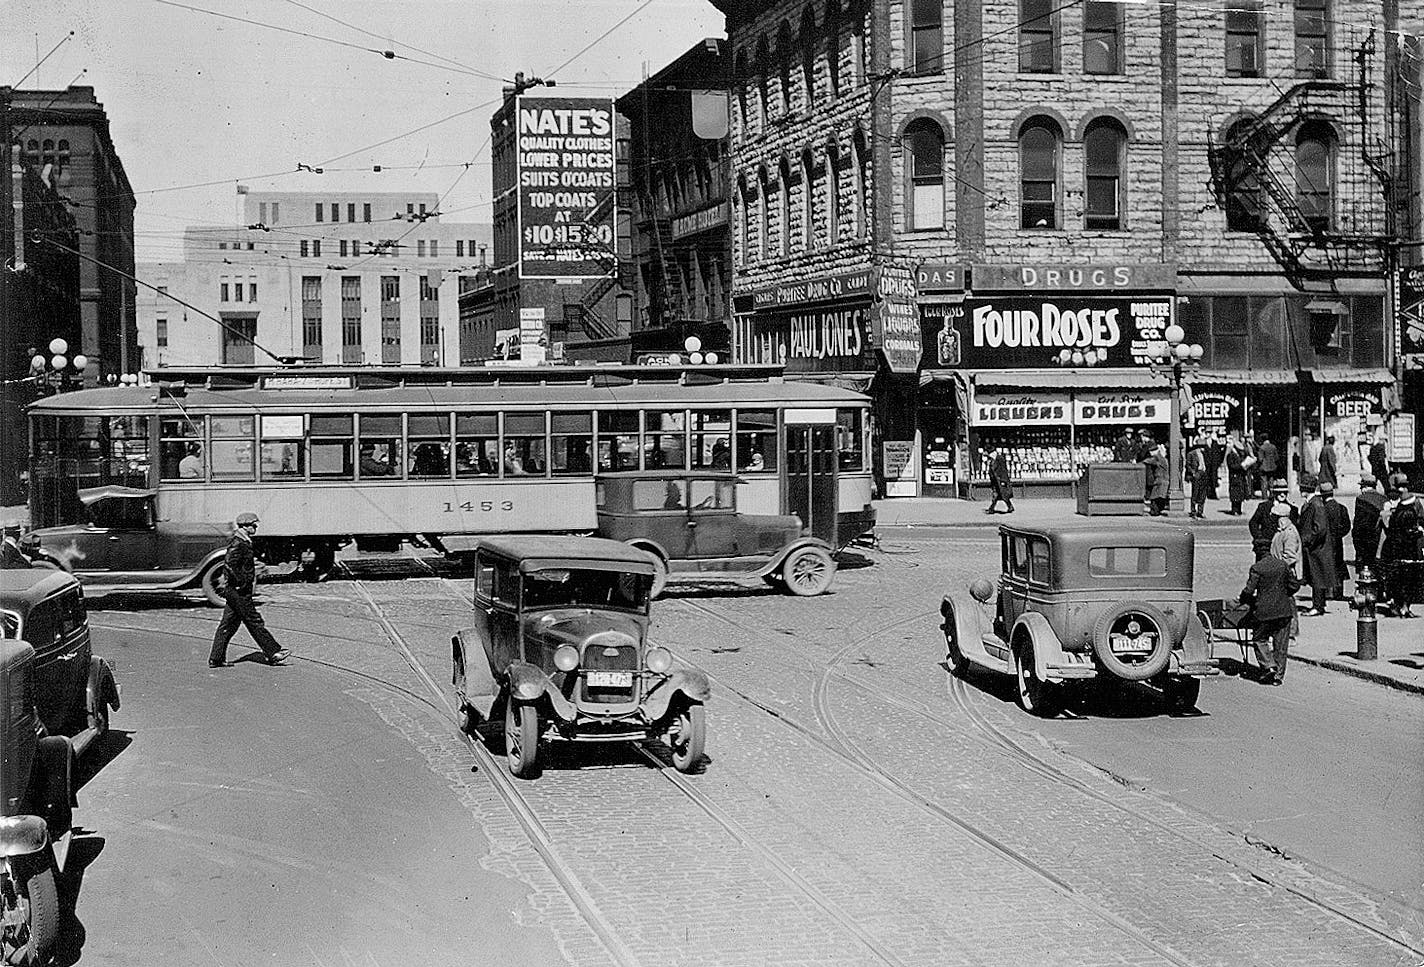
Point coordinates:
pixel 1196 473
pixel 1365 533
pixel 241 567
pixel 1125 448
pixel 1238 479
pixel 1268 461
pixel 1379 461
pixel 1270 590
pixel 1215 454
pixel 1000 482
pixel 1157 474
pixel 1328 471
pixel 1318 548
pixel 1339 527
pixel 1263 525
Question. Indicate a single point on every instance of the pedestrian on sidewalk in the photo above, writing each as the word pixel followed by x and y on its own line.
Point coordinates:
pixel 1198 468
pixel 1328 470
pixel 1401 519
pixel 1339 527
pixel 1157 474
pixel 1000 482
pixel 1270 591
pixel 1268 461
pixel 1318 545
pixel 240 566
pixel 1125 447
pixel 1238 485
pixel 1215 454
pixel 1285 547
pixel 1365 534
pixel 1262 524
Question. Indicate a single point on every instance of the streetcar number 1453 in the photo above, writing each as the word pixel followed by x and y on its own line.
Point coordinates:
pixel 483 506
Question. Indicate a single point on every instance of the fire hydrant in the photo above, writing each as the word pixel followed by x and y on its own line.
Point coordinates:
pixel 1366 627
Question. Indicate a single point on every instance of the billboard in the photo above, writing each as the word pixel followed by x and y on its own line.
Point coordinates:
pixel 564 153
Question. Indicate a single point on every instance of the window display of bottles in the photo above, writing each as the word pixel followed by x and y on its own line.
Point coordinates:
pixel 1033 452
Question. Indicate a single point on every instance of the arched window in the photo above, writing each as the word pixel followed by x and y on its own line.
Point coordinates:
pixel 1315 174
pixel 1104 146
pixel 783 209
pixel 833 45
pixel 47 152
pixel 860 166
pixel 833 195
pixel 926 36
pixel 1243 188
pixel 808 201
pixel 1038 175
pixel 763 83
pixel 63 153
pixel 764 216
pixel 783 64
pixel 744 202
pixel 808 56
pixel 743 81
pixel 924 143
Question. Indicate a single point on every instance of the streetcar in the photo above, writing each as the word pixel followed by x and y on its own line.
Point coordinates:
pixel 328 456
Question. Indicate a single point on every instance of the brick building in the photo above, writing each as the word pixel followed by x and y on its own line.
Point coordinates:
pixel 677 171
pixel 1073 178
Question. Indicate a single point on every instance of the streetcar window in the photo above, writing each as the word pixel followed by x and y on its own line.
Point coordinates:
pixel 570 443
pixel 282 454
pixel 665 443
pixel 618 447
pixel 524 454
pixel 712 439
pixel 429 443
pixel 849 440
pixel 380 449
pixel 332 446
pixel 756 440
pixel 180 449
pixel 476 445
pixel 230 450
pixel 128 451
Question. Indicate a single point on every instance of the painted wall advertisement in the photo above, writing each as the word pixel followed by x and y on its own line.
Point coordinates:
pixel 1348 414
pixel 533 337
pixel 818 326
pixel 1409 300
pixel 566 173
pixel 898 317
pixel 1040 332
pixel 1218 411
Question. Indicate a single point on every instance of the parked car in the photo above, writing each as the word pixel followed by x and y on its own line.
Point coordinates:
pixel 560 646
pixel 690 523
pixel 121 545
pixel 73 688
pixel 1080 601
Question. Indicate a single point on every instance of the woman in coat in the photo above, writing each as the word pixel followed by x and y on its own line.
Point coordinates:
pixel 1402 518
pixel 1236 474
pixel 1157 474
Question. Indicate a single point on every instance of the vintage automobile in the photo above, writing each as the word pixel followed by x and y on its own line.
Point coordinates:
pixel 560 645
pixel 123 546
pixel 1082 600
pixel 689 522
pixel 74 689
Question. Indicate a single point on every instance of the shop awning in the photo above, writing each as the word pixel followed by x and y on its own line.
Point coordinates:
pixel 855 382
pixel 1089 379
pixel 1235 377
pixel 1352 375
pixel 937 375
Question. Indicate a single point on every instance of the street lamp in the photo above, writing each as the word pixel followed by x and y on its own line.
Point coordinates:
pixel 1174 358
pixel 57 369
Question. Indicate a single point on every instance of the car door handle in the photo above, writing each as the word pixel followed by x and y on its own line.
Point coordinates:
pixel 692 523
pixel 113 537
pixel 68 656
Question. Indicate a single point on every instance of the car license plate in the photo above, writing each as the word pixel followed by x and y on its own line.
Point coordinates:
pixel 1124 643
pixel 610 680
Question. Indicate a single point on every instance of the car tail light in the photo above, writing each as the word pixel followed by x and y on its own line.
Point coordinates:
pixel 566 658
pixel 659 660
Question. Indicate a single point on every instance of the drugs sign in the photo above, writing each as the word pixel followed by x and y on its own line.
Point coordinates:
pixel 565 154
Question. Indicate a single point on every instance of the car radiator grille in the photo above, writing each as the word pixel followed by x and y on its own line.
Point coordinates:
pixel 610 658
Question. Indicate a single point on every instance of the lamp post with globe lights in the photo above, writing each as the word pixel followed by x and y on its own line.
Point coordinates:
pixel 57 370
pixel 1176 359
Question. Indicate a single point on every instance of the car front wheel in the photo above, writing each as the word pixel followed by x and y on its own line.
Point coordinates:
pixel 688 736
pixel 29 909
pixel 1035 696
pixel 521 738
pixel 213 576
pixel 808 571
pixel 953 654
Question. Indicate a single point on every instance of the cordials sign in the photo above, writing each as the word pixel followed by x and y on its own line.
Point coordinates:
pixel 1025 332
pixel 564 150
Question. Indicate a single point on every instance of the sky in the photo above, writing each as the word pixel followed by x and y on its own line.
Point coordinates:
pixel 193 98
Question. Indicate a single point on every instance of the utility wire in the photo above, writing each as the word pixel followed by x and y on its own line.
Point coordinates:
pixel 591 44
pixel 40 62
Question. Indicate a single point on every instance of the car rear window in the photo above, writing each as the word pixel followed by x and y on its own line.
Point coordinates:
pixel 1114 562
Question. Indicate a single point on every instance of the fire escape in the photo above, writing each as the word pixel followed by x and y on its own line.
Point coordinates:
pixel 1254 176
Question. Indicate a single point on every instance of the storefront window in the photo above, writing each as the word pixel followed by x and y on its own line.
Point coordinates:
pixel 570 443
pixel 476 445
pixel 618 447
pixel 712 439
pixel 180 449
pixel 756 441
pixel 849 440
pixel 665 444
pixel 380 447
pixel 282 447
pixel 524 445
pixel 232 447
pixel 332 446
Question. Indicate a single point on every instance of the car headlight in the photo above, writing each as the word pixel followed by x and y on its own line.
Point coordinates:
pixel 659 660
pixel 566 658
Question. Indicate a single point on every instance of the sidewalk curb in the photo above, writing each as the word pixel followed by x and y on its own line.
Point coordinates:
pixel 993 524
pixel 1355 671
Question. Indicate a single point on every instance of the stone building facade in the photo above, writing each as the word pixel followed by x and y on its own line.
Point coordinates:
pixel 1245 173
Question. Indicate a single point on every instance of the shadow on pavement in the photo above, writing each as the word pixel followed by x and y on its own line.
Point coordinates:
pixel 100 753
pixel 84 849
pixel 146 601
pixel 1103 698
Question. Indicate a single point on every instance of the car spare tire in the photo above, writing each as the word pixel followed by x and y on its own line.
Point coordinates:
pixel 1132 642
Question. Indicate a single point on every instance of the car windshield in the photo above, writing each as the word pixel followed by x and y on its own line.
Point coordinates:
pixel 579 587
pixel 121 513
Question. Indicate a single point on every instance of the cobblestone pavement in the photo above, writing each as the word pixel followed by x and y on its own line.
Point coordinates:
pixel 855 808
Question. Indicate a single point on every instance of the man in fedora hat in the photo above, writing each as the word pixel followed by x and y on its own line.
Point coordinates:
pixel 1365 532
pixel 241 567
pixel 1263 524
pixel 1317 544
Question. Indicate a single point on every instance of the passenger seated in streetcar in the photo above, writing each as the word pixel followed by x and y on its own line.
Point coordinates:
pixel 513 466
pixel 373 465
pixel 721 456
pixel 191 466
pixel 756 462
pixel 429 461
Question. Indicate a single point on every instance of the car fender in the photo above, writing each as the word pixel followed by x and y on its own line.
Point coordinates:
pixel 101 687
pixel 195 576
pixel 690 682
pixel 649 545
pixel 528 683
pixel 22 835
pixel 969 627
pixel 779 558
pixel 1047 649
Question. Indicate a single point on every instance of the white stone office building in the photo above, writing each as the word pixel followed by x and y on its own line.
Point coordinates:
pixel 326 277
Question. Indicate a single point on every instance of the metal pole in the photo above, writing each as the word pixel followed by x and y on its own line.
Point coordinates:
pixel 1175 494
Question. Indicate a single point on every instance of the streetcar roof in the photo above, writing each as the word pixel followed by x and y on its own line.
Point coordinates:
pixel 137 399
pixel 535 551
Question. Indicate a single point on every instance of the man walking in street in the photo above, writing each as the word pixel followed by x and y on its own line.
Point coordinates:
pixel 1270 590
pixel 241 567
pixel 1365 533
pixel 1318 548
pixel 999 481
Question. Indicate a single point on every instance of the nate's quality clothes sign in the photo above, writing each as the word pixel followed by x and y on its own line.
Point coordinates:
pixel 565 155
pixel 1033 332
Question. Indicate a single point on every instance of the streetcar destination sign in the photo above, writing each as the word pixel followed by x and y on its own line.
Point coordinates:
pixel 565 155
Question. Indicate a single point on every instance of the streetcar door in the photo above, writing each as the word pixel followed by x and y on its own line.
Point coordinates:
pixel 811 483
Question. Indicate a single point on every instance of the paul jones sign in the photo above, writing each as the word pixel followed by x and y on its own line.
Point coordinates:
pixel 1026 333
pixel 831 339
